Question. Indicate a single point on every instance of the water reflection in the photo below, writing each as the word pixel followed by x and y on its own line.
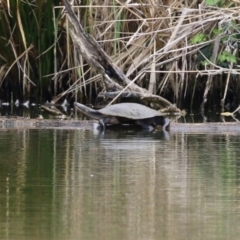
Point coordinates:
pixel 74 184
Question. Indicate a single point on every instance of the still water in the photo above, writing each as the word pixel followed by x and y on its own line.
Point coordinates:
pixel 75 184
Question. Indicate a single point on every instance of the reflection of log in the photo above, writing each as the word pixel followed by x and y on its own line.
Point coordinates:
pixel 98 59
pixel 214 128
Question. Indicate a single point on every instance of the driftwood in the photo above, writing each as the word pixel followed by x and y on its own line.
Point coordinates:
pixel 53 111
pixel 98 59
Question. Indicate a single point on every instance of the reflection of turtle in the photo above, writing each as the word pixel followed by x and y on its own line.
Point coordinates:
pixel 126 113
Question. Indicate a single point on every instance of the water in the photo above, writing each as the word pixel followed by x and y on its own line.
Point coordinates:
pixel 75 184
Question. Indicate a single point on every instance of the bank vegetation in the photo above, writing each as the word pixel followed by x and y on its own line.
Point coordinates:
pixel 184 51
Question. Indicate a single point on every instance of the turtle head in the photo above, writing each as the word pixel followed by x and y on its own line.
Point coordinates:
pixel 88 111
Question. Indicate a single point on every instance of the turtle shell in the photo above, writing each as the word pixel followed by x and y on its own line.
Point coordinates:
pixel 130 111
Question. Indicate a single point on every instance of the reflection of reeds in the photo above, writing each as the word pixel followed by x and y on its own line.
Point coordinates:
pixel 159 43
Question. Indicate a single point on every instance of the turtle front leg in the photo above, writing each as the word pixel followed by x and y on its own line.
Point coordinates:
pixel 101 124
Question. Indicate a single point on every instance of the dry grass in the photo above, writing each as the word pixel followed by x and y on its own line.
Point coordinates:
pixel 162 45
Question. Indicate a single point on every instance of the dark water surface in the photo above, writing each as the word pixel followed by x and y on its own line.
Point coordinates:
pixel 74 184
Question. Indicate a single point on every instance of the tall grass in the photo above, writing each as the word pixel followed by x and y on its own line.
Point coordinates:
pixel 170 48
pixel 27 40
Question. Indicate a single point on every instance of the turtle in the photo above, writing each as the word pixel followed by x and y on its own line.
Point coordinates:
pixel 126 113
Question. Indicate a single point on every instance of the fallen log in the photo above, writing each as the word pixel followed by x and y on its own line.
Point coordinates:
pixel 205 128
pixel 18 123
